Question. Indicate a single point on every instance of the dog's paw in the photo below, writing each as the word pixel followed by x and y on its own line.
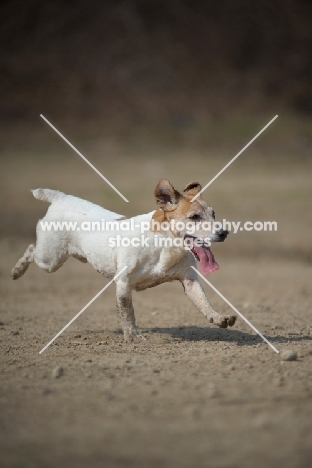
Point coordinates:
pixel 14 274
pixel 225 321
pixel 131 335
pixel 140 337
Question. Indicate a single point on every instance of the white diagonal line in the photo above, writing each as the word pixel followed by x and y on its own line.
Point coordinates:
pixel 83 157
pixel 235 310
pixel 235 157
pixel 82 310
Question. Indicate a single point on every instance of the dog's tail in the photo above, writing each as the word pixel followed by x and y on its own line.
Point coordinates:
pixel 47 195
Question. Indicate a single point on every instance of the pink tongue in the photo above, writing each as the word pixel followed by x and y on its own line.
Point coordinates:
pixel 207 263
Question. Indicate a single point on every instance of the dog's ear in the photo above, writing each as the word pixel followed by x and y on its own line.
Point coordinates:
pixel 192 189
pixel 166 195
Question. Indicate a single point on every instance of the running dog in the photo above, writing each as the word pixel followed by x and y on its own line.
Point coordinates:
pixel 152 261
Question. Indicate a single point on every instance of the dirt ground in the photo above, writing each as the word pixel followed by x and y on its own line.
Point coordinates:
pixel 191 395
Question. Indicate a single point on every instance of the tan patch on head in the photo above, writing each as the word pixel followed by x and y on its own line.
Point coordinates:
pixel 174 206
pixel 184 209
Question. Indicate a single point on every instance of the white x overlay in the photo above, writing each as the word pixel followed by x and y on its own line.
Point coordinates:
pixel 83 157
pixel 83 309
pixel 235 310
pixel 194 198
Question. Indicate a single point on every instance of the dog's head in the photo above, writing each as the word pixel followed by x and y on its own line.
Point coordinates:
pixel 193 221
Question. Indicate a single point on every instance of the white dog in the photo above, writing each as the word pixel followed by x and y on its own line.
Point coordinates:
pixel 150 258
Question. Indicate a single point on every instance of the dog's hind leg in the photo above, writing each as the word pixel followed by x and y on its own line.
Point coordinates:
pixel 48 256
pixel 24 262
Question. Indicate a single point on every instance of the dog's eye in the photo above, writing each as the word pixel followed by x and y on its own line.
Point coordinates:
pixel 195 217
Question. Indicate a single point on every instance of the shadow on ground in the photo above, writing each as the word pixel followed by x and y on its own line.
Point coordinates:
pixel 210 334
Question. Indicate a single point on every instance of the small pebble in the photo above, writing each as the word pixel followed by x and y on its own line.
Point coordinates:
pixel 289 355
pixel 57 372
pixel 14 332
pixel 77 336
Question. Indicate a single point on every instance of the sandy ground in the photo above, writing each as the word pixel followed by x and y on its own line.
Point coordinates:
pixel 191 394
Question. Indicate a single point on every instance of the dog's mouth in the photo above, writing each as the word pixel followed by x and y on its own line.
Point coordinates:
pixel 203 254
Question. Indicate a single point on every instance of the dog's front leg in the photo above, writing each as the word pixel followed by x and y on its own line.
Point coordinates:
pixel 125 307
pixel 196 294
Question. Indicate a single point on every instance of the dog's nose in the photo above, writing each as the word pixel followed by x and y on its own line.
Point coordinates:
pixel 222 233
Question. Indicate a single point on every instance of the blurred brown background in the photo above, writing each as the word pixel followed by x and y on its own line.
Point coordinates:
pixel 148 89
pixel 138 62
